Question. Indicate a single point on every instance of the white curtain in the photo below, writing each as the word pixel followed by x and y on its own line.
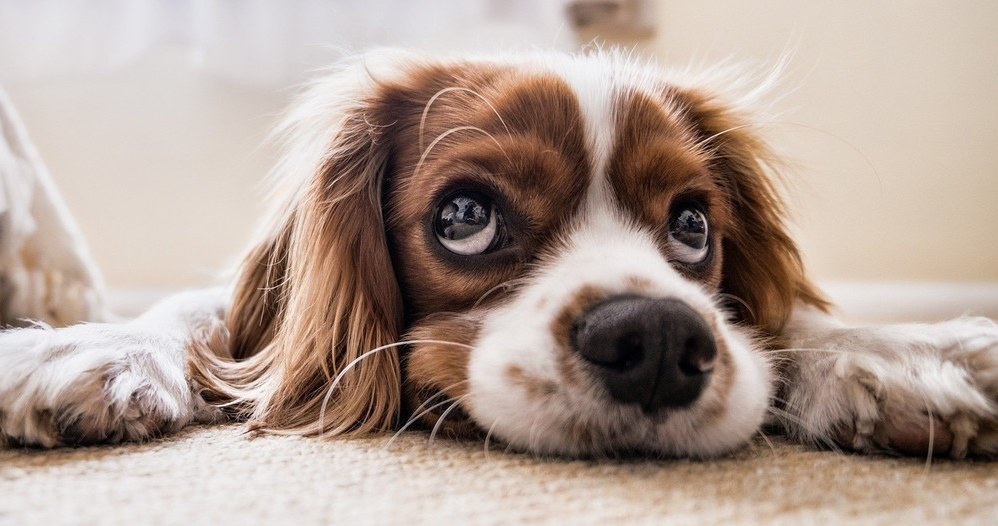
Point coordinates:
pixel 259 41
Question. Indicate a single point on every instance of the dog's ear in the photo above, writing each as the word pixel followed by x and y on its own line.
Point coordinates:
pixel 319 293
pixel 762 266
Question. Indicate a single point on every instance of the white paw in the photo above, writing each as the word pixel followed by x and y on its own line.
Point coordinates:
pixel 94 383
pixel 905 388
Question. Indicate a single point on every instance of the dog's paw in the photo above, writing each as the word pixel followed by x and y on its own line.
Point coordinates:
pixel 91 384
pixel 908 388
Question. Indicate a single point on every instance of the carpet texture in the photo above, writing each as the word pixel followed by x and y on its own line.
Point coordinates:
pixel 217 475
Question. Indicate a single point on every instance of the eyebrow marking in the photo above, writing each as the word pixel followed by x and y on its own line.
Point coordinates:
pixel 429 104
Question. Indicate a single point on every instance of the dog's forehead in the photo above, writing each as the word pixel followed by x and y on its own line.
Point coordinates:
pixel 614 127
pixel 600 95
pixel 643 151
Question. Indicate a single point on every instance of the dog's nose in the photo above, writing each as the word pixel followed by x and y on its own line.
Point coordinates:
pixel 652 352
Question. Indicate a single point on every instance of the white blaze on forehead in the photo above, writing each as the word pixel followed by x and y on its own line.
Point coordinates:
pixel 595 86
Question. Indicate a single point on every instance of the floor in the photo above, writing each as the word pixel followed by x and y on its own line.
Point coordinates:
pixel 219 475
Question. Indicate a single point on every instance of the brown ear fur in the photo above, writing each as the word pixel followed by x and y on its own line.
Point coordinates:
pixel 762 265
pixel 313 297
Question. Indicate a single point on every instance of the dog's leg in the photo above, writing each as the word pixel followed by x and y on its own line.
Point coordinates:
pixel 906 388
pixel 105 383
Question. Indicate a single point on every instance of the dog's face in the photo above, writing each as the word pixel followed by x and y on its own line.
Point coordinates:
pixel 560 240
pixel 566 230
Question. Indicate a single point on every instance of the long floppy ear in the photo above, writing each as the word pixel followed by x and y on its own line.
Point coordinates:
pixel 762 266
pixel 318 291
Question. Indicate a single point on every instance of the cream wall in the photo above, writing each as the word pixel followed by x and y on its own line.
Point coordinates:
pixel 160 165
pixel 891 121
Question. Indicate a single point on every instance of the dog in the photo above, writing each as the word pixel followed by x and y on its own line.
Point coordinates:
pixel 578 255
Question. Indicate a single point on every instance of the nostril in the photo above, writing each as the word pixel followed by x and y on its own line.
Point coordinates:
pixel 698 357
pixel 617 354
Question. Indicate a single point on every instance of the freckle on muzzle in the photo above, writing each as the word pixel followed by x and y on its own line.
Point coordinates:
pixel 655 353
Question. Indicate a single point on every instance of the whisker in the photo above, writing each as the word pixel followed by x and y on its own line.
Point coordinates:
pixel 504 285
pixel 444 135
pixel 422 410
pixel 769 443
pixel 415 419
pixel 786 405
pixel 932 438
pixel 352 364
pixel 699 146
pixel 774 398
pixel 739 300
pixel 533 437
pixel 429 104
pixel 932 431
pixel 488 437
pixel 857 150
pixel 808 349
pixel 780 360
pixel 443 416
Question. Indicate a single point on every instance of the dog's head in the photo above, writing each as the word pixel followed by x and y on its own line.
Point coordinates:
pixel 581 252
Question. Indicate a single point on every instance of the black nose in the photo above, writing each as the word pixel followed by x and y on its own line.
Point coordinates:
pixel 655 353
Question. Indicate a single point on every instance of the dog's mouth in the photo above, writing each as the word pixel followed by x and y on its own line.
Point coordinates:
pixel 639 372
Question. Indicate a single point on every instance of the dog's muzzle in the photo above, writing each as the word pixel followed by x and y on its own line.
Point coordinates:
pixel 651 352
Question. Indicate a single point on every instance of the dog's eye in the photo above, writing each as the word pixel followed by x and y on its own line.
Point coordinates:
pixel 688 235
pixel 467 224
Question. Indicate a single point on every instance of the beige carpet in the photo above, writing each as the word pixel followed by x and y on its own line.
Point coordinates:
pixel 216 475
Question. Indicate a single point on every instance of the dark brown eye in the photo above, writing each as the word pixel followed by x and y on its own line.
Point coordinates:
pixel 467 223
pixel 688 234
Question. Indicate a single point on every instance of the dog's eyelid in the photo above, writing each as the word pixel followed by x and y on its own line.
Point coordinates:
pixel 691 199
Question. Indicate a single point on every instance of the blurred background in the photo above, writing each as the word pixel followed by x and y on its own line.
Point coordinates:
pixel 152 114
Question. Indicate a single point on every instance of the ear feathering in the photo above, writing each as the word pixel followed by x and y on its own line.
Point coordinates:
pixel 762 265
pixel 319 290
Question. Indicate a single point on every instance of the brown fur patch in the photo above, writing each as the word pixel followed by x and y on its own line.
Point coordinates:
pixel 654 166
pixel 321 291
pixel 678 145
pixel 762 266
pixel 530 159
pixel 533 386
pixel 638 285
pixel 436 371
pixel 572 370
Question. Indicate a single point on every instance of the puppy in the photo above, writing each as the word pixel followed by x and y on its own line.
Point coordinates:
pixel 574 254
